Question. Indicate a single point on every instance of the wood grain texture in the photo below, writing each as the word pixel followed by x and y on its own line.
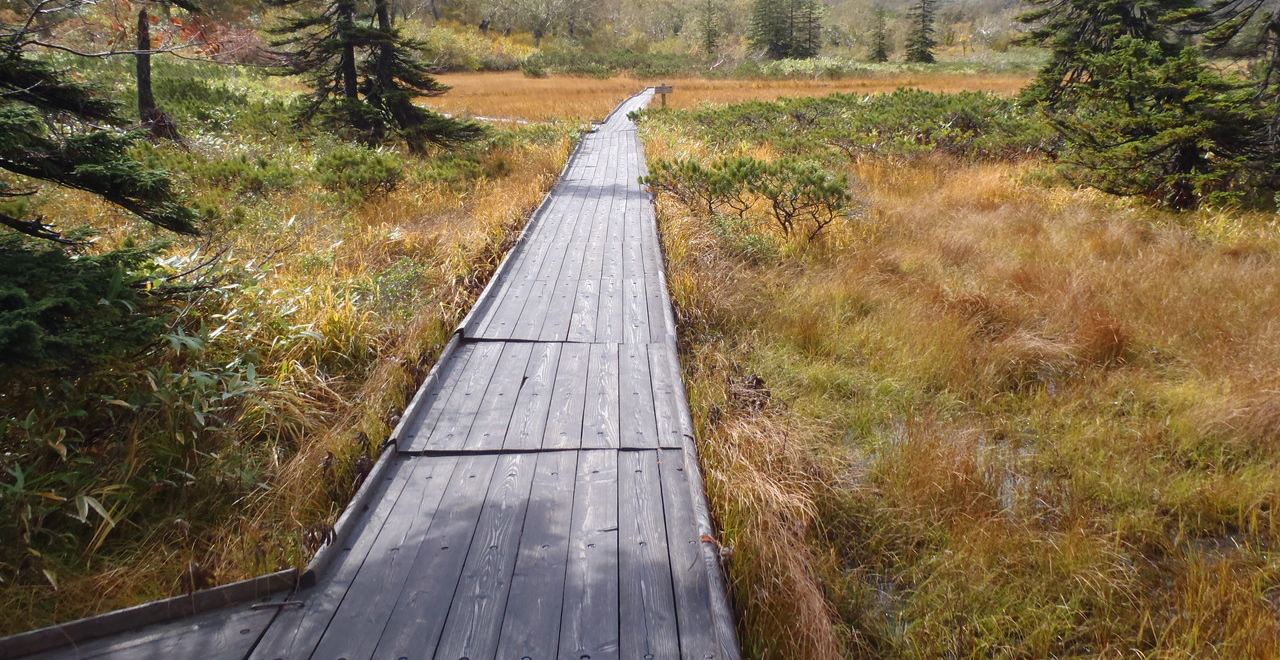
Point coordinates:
pixel 478 605
pixel 432 403
pixel 459 411
pixel 357 625
pixel 488 430
pixel 413 626
pixel 589 624
pixel 568 398
pixel 533 403
pixel 600 419
pixel 647 609
pixel 688 573
pixel 637 426
pixel 531 628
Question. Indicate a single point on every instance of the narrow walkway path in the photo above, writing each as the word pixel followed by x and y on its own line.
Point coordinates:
pixel 543 499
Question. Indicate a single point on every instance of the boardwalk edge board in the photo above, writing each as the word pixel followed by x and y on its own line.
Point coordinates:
pixel 160 611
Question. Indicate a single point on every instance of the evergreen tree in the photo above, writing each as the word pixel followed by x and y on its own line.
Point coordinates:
pixel 710 31
pixel 921 43
pixel 1075 30
pixel 880 37
pixel 1166 127
pixel 365 74
pixel 787 28
pixel 56 312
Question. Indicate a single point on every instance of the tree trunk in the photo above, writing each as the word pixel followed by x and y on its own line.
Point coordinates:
pixel 346 25
pixel 146 100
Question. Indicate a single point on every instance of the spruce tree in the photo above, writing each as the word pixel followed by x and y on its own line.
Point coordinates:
pixel 59 313
pixel 879 37
pixel 364 74
pixel 787 28
pixel 921 43
pixel 1074 30
pixel 710 31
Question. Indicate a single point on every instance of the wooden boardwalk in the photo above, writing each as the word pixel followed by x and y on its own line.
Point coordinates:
pixel 542 499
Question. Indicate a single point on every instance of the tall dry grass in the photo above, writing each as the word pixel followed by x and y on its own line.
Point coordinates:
pixel 1002 421
pixel 515 96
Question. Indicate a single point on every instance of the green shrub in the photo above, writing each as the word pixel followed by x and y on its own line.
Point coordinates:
pixel 802 198
pixel 359 171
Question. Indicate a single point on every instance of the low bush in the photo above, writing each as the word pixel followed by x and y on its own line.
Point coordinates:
pixel 358 171
pixel 801 198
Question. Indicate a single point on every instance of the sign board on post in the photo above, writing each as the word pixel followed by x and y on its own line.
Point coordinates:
pixel 663 90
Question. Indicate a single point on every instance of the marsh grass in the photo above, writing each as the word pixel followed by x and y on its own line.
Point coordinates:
pixel 512 95
pixel 326 306
pixel 1002 420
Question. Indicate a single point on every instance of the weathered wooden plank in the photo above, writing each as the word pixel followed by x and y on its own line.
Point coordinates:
pixel 647 609
pixel 589 624
pixel 568 398
pixel 609 316
pixel 637 427
pixel 688 572
pixel 296 631
pixel 475 615
pixel 505 313
pixel 656 303
pixel 533 404
pixel 600 421
pixel 433 402
pixel 460 409
pixel 529 325
pixel 666 409
pixel 635 311
pixel 227 634
pixel 357 624
pixel 582 327
pixel 578 195
pixel 531 628
pixel 555 327
pixel 489 428
pixel 413 626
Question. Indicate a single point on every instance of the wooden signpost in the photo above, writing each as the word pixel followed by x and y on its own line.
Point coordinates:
pixel 663 90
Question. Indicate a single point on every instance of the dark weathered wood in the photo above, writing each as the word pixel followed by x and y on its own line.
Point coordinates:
pixel 688 572
pixel 227 634
pixel 501 321
pixel 531 627
pixel 600 421
pixel 646 601
pixel 533 404
pixel 459 411
pixel 489 428
pixel 431 404
pixel 635 312
pixel 582 327
pixel 568 398
pixel 475 615
pixel 589 624
pixel 555 327
pixel 638 428
pixel 414 625
pixel 296 631
pixel 358 622
pixel 609 316
pixel 666 408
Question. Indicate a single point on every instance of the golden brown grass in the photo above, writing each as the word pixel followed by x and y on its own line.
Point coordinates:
pixel 343 357
pixel 1005 421
pixel 516 96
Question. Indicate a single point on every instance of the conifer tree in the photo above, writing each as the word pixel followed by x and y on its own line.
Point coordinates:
pixel 880 37
pixel 787 28
pixel 921 43
pixel 364 74
pixel 709 26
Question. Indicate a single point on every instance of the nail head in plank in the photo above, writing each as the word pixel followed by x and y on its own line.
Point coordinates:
pixel 533 404
pixel 489 428
pixel 688 572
